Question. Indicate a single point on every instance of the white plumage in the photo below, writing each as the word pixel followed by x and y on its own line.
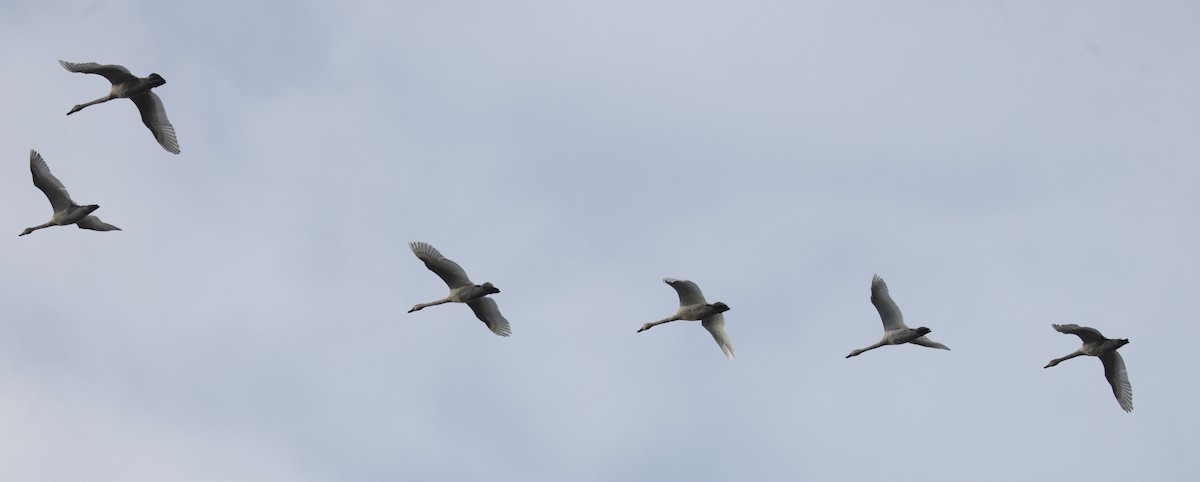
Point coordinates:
pixel 65 210
pixel 692 306
pixel 1095 344
pixel 137 89
pixel 895 332
pixel 462 290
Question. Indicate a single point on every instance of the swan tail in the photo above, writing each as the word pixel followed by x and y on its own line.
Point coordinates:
pixel 929 343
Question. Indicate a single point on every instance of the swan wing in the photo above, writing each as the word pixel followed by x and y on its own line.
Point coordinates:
pixel 888 311
pixel 50 185
pixel 95 224
pixel 1114 371
pixel 1088 335
pixel 715 325
pixel 114 73
pixel 486 310
pixel 448 270
pixel 689 293
pixel 155 118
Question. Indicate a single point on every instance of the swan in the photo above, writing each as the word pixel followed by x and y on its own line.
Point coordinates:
pixel 137 89
pixel 462 290
pixel 65 210
pixel 692 306
pixel 1095 344
pixel 895 332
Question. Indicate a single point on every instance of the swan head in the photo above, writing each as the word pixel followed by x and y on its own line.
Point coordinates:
pixel 720 307
pixel 856 352
pixel 26 231
pixel 1052 363
pixel 489 288
pixel 416 307
pixel 75 109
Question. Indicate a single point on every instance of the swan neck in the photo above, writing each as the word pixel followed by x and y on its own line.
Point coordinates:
pixel 1056 361
pixel 35 228
pixel 664 320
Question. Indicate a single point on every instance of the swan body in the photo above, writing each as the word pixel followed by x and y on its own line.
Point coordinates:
pixel 462 290
pixel 65 210
pixel 692 306
pixel 895 332
pixel 129 86
pixel 1095 344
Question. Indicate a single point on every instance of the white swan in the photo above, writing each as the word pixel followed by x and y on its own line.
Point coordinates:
pixel 1095 344
pixel 462 290
pixel 692 306
pixel 895 332
pixel 65 210
pixel 137 89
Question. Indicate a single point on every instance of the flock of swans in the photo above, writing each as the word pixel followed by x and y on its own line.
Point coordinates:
pixel 692 304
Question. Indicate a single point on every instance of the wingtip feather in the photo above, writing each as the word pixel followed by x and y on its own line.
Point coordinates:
pixel 424 250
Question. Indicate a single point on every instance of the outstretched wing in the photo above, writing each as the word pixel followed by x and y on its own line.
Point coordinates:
pixel 715 325
pixel 689 293
pixel 155 118
pixel 50 185
pixel 888 311
pixel 1114 371
pixel 114 73
pixel 1088 335
pixel 95 224
pixel 449 271
pixel 486 310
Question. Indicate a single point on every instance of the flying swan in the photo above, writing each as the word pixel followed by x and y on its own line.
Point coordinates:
pixel 692 306
pixel 462 290
pixel 1095 344
pixel 895 332
pixel 65 210
pixel 137 89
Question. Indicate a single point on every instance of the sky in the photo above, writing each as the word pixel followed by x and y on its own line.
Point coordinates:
pixel 1003 165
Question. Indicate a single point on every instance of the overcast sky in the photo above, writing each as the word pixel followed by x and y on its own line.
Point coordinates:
pixel 1003 165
